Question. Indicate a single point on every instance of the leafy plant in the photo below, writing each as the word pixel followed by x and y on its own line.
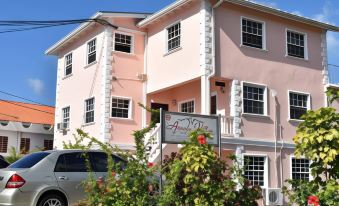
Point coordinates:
pixel 197 176
pixel 13 155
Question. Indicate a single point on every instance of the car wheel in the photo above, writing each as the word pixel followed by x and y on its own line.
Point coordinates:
pixel 52 200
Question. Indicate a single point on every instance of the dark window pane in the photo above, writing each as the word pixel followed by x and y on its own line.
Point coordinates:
pixel 30 160
pixel 75 162
pixel 91 57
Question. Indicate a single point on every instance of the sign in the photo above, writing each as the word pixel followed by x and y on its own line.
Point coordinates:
pixel 176 126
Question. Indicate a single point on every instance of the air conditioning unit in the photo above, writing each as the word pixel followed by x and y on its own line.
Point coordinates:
pixel 62 126
pixel 273 196
pixel 142 77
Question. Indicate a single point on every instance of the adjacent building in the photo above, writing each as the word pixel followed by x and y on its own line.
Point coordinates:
pixel 25 127
pixel 258 67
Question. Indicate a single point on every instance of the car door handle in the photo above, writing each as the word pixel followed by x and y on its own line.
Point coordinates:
pixel 63 178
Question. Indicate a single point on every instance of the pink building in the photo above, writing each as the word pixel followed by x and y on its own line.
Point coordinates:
pixel 258 67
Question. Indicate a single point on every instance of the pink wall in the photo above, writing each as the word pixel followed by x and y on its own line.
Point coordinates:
pixel 165 70
pixel 270 67
pixel 125 69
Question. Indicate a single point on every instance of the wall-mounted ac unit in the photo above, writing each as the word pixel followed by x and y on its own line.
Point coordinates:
pixel 273 196
pixel 62 126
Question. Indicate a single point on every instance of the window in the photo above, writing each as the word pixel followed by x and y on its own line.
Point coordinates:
pixel 30 160
pixel 300 169
pixel 187 107
pixel 68 64
pixel 123 43
pixel 3 144
pixel 26 124
pixel 25 144
pixel 296 44
pixel 121 107
pixel 213 104
pixel 254 99
pixel 47 126
pixel 252 33
pixel 254 169
pixel 91 49
pixel 89 110
pixel 298 105
pixel 4 123
pixel 48 144
pixel 71 162
pixel 173 37
pixel 65 117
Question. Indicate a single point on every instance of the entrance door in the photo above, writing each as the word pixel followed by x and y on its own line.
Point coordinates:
pixel 158 106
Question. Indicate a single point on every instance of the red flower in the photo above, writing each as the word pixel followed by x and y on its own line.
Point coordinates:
pixel 201 139
pixel 313 200
pixel 113 174
pixel 150 164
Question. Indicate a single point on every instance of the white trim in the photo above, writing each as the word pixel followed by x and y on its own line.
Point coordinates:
pixel 167 52
pixel 266 168
pixel 252 141
pixel 65 65
pixel 69 116
pixel 309 106
pixel 186 101
pixel 310 177
pixel 264 43
pixel 305 44
pixel 127 34
pixel 265 98
pixel 96 54
pixel 130 107
pixel 84 115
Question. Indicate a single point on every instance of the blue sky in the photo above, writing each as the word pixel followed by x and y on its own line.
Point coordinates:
pixel 26 71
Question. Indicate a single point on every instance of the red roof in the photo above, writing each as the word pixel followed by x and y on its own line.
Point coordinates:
pixel 25 112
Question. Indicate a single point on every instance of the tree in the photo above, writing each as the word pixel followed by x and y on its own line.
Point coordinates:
pixel 317 139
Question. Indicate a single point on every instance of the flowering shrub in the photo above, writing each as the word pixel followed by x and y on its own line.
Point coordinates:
pixel 197 176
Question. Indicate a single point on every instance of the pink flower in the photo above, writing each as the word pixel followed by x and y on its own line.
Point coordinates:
pixel 150 164
pixel 313 200
pixel 201 139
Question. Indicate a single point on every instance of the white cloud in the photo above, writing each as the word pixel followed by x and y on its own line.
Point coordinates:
pixel 36 85
pixel 266 3
pixel 328 11
pixel 299 13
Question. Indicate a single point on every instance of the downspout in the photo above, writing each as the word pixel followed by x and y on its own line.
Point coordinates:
pixel 144 98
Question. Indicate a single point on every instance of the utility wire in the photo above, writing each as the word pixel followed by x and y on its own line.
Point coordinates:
pixel 23 25
pixel 13 95
pixel 333 65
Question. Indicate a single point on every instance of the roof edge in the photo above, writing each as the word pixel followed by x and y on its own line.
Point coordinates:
pixel 284 14
pixel 162 12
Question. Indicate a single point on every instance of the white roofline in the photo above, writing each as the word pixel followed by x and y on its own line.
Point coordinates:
pixel 162 12
pixel 246 3
pixel 57 45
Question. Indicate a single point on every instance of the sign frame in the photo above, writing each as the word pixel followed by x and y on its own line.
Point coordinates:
pixel 213 117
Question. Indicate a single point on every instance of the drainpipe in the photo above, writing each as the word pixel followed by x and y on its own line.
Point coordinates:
pixel 144 98
pixel 274 95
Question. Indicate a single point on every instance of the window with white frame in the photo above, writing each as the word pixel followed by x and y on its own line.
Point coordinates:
pixel 252 33
pixel 121 107
pixel 187 107
pixel 296 44
pixel 173 37
pixel 300 169
pixel 123 43
pixel 299 104
pixel 89 110
pixel 66 117
pixel 254 97
pixel 254 169
pixel 68 64
pixel 91 51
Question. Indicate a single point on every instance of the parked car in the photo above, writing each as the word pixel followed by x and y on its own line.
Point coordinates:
pixel 3 162
pixel 50 178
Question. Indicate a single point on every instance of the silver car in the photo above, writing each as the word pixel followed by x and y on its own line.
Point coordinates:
pixel 50 178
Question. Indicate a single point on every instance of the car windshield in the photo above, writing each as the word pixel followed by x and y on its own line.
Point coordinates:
pixel 30 160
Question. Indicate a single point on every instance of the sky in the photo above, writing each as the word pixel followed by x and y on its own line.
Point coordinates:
pixel 27 72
